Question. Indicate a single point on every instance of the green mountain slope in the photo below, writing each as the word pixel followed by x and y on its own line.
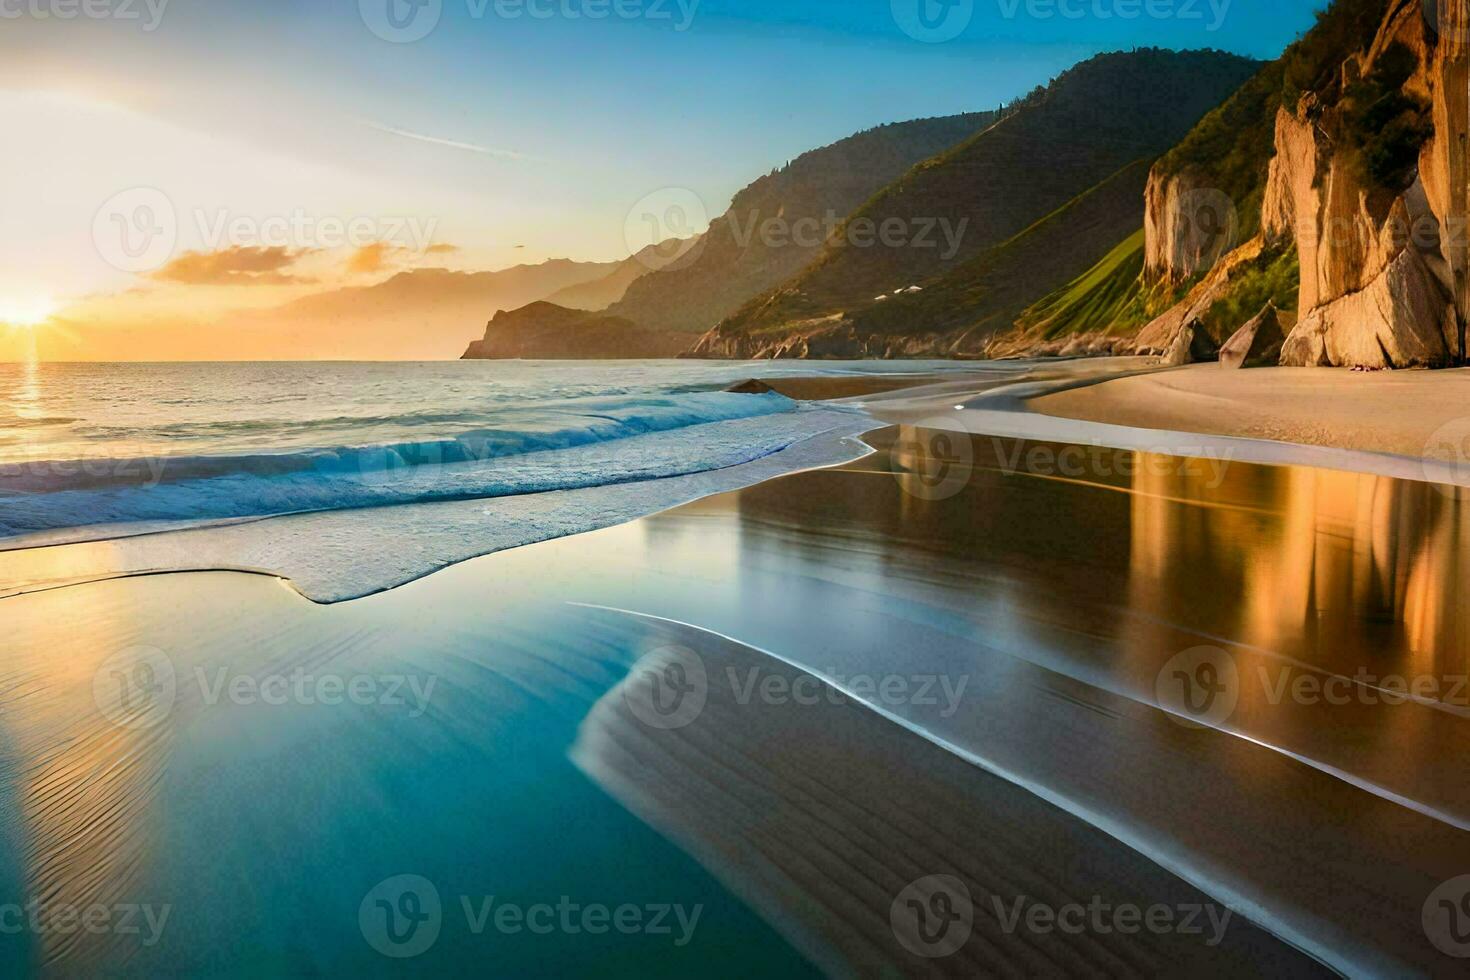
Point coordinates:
pixel 1057 143
pixel 733 260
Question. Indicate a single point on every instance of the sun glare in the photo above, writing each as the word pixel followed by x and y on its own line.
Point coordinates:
pixel 25 313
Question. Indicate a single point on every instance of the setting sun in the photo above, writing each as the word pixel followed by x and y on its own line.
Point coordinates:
pixel 27 313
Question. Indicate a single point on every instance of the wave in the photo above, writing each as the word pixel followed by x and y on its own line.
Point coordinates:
pixel 563 446
pixel 521 430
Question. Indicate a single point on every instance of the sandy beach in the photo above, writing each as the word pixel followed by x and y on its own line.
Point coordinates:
pixel 1407 413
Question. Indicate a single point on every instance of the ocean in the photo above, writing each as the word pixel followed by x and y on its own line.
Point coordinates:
pixel 92 451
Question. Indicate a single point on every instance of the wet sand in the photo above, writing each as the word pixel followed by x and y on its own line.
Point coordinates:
pixel 1052 604
pixel 824 387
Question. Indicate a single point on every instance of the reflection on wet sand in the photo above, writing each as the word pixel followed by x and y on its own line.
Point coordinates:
pixel 1059 588
pixel 81 722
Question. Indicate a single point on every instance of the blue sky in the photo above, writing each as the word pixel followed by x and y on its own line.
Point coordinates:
pixel 500 128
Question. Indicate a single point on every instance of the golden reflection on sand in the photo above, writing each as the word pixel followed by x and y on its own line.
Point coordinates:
pixel 86 779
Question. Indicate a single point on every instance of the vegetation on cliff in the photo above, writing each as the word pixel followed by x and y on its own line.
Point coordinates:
pixel 1273 277
pixel 1383 125
pixel 1232 146
pixel 1052 147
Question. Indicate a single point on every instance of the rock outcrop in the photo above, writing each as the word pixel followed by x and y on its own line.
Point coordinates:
pixel 1382 280
pixel 545 330
pixel 1402 318
pixel 1188 225
pixel 1382 262
pixel 1257 344
pixel 1161 335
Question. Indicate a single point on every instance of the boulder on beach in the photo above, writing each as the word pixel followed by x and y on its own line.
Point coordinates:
pixel 1257 343
pixel 750 386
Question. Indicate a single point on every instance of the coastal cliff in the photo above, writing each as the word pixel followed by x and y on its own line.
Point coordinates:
pixel 545 330
pixel 1366 185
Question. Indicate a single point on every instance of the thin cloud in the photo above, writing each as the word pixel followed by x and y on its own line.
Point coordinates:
pixel 488 151
pixel 238 265
pixel 371 257
pixel 377 256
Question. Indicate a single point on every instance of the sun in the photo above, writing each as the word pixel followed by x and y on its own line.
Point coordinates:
pixel 25 313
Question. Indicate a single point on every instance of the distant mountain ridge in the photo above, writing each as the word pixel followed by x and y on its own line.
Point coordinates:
pixel 599 294
pixel 419 314
pixel 735 259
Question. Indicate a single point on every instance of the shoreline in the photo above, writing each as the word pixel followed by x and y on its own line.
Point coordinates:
pixel 1410 414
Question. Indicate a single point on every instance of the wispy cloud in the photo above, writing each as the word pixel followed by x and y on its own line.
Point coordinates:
pixel 239 265
pixel 488 151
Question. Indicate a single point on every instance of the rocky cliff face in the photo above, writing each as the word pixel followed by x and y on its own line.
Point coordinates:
pixel 1187 225
pixel 1382 259
pixel 1378 268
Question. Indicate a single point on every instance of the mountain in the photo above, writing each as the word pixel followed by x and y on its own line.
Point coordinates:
pixel 599 294
pixel 775 225
pixel 957 313
pixel 1048 150
pixel 415 315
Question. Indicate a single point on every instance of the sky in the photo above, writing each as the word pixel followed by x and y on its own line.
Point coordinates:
pixel 175 158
